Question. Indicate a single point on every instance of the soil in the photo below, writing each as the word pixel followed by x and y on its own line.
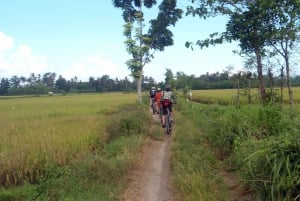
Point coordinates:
pixel 150 179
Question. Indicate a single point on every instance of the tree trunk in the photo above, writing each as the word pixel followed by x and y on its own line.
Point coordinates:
pixel 272 93
pixel 249 91
pixel 139 82
pixel 139 87
pixel 261 86
pixel 288 80
pixel 281 83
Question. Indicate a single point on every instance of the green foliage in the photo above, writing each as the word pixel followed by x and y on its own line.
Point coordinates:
pixel 260 142
pixel 227 126
pixel 24 193
pixel 273 168
pixel 192 163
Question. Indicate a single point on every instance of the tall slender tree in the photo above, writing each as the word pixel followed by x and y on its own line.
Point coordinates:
pixel 142 44
pixel 284 26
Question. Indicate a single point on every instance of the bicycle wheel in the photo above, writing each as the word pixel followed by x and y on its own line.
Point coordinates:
pixel 168 123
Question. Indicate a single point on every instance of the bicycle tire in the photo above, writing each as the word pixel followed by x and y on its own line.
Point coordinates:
pixel 168 122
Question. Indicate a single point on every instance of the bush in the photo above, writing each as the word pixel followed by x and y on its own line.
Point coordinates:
pixel 129 121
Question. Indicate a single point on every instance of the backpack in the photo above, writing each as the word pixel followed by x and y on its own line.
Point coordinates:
pixel 152 93
pixel 166 102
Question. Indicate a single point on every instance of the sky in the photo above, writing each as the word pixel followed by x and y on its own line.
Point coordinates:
pixel 84 38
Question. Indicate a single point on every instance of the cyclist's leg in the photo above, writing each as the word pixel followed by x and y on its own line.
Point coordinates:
pixel 153 105
pixel 157 107
pixel 168 122
pixel 163 116
pixel 160 112
pixel 171 112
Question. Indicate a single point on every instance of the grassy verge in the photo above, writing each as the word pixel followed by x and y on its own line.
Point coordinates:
pixel 193 164
pixel 261 143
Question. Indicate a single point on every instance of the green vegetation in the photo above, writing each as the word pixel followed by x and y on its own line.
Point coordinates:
pixel 261 143
pixel 66 148
pixel 193 164
pixel 80 147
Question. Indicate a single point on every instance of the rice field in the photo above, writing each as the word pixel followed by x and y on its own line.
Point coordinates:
pixel 38 131
pixel 229 96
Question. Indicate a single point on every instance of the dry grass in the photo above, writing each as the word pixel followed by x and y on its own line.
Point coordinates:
pixel 37 131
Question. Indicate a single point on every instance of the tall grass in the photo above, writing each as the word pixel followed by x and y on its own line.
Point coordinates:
pixel 273 167
pixel 37 131
pixel 193 164
pixel 260 142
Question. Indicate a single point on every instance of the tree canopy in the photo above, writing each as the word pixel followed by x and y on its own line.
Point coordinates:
pixel 257 25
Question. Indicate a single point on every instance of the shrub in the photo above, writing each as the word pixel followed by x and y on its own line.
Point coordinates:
pixel 129 121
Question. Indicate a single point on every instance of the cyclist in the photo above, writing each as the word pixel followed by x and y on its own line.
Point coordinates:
pixel 157 100
pixel 167 99
pixel 152 94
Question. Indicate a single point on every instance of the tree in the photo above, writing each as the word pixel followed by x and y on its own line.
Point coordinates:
pixel 246 27
pixel 284 23
pixel 15 81
pixel 62 84
pixel 4 86
pixel 256 24
pixel 169 77
pixel 158 36
pixel 49 79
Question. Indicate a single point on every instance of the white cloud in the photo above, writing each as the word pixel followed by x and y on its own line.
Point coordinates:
pixel 6 42
pixel 19 60
pixel 96 66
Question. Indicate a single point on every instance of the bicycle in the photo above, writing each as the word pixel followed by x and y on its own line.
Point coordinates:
pixel 168 122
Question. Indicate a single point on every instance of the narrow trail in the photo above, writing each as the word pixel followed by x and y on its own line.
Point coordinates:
pixel 149 180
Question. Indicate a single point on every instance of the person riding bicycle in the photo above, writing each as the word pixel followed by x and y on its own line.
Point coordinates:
pixel 157 100
pixel 152 94
pixel 167 99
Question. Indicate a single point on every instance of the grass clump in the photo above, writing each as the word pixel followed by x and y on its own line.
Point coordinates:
pixel 272 169
pixel 128 122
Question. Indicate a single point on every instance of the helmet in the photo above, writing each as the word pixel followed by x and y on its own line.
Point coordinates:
pixel 168 87
pixel 158 89
pixel 153 88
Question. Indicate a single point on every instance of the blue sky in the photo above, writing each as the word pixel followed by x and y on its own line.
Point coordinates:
pixel 84 38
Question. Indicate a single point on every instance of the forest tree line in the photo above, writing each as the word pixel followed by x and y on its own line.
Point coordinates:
pixel 37 84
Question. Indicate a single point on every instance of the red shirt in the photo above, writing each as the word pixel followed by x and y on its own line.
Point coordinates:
pixel 158 97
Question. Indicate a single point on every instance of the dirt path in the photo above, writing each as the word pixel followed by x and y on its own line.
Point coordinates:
pixel 150 178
